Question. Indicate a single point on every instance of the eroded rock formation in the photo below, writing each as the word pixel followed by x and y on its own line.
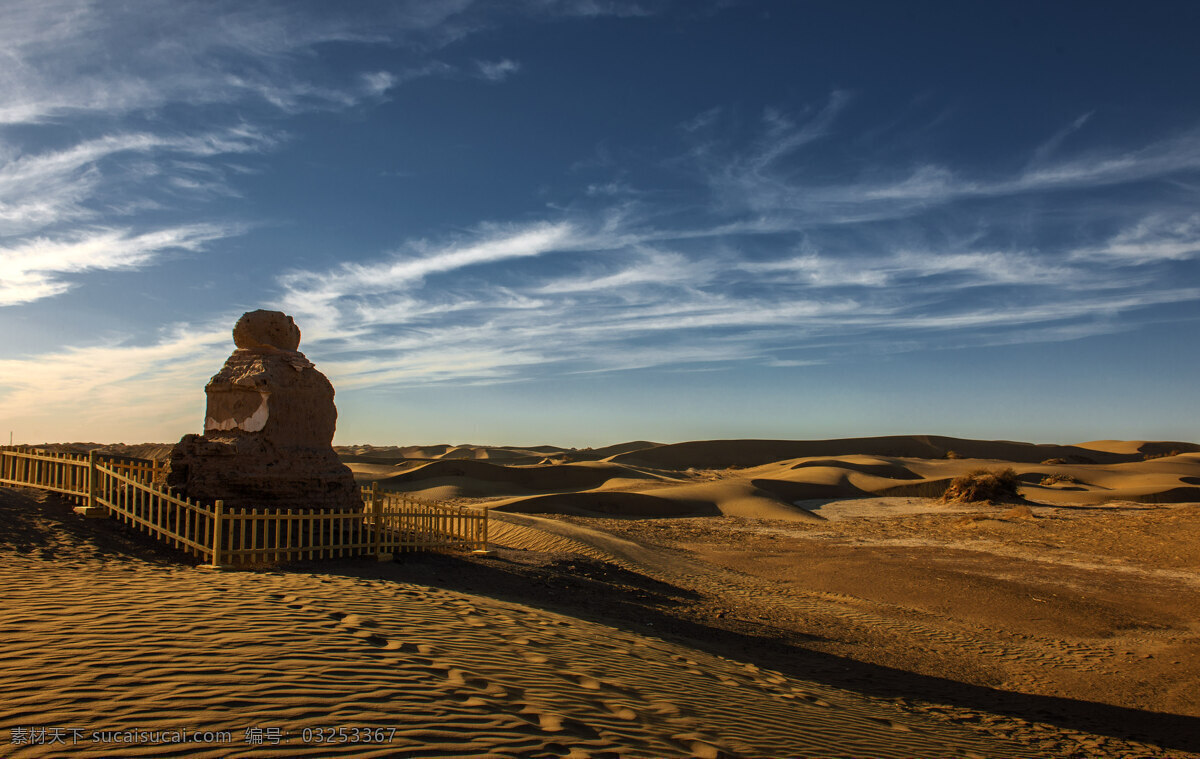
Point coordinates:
pixel 268 428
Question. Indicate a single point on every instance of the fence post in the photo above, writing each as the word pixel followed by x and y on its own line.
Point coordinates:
pixel 377 519
pixel 218 545
pixel 483 550
pixel 92 509
pixel 91 479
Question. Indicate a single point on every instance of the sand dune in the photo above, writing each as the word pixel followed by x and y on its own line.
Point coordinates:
pixel 397 454
pixel 107 644
pixel 723 454
pixel 761 478
pixel 613 450
pixel 767 478
pixel 719 598
pixel 471 478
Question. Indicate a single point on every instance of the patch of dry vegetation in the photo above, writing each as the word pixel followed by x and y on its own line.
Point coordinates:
pixel 983 485
pixel 1161 454
pixel 1054 479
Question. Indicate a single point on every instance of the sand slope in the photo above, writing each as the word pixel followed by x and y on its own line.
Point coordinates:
pixel 100 641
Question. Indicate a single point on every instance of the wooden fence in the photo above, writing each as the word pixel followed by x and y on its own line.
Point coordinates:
pixel 237 537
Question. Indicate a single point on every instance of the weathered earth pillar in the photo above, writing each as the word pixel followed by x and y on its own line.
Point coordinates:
pixel 268 428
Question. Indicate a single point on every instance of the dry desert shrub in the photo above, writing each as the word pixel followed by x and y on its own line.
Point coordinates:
pixel 1162 455
pixel 983 485
pixel 953 455
pixel 1054 479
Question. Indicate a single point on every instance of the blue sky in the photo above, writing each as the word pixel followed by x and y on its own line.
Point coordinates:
pixel 580 222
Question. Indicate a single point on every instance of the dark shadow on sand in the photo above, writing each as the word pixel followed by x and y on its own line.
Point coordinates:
pixel 600 592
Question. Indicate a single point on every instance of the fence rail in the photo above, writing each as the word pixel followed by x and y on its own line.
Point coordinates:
pixel 125 489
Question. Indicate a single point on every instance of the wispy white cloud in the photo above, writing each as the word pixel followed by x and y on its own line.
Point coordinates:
pixel 701 120
pixel 57 206
pixel 41 189
pixel 784 137
pixel 60 54
pixel 648 267
pixel 59 58
pixel 1003 318
pixel 764 259
pixel 596 7
pixel 1048 148
pixel 1158 237
pixel 631 293
pixel 123 392
pixel 377 83
pixel 320 296
pixel 35 268
pixel 611 189
pixel 102 66
pixel 985 267
pixel 497 71
pixel 422 316
pixel 767 179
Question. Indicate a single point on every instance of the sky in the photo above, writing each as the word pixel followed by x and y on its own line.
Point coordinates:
pixel 580 222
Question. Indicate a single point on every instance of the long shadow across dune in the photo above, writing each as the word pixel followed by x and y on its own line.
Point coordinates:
pixel 601 592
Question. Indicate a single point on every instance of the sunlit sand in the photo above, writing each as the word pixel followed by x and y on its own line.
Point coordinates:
pixel 721 598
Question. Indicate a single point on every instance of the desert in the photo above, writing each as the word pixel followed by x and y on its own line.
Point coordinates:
pixel 710 598
pixel 599 379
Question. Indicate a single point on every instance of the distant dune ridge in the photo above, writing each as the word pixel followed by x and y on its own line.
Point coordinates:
pixel 759 478
pixel 773 478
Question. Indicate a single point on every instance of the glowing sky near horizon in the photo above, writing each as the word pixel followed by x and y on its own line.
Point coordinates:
pixel 585 221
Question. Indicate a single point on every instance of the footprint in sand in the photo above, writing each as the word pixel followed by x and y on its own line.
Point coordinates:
pixel 552 722
pixel 893 725
pixel 671 710
pixel 558 749
pixel 619 710
pixel 400 645
pixel 523 640
pixel 375 640
pixel 352 623
pixel 583 681
pixel 810 698
pixel 468 699
pixel 458 677
pixel 697 745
